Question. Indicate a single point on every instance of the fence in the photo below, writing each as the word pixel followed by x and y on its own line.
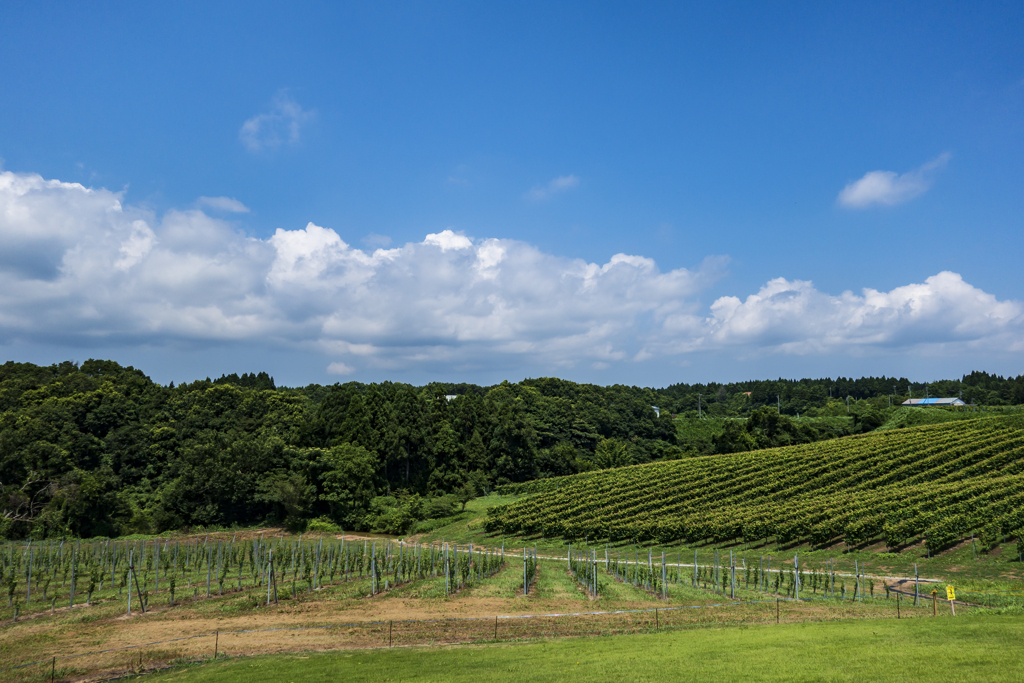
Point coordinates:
pixel 149 655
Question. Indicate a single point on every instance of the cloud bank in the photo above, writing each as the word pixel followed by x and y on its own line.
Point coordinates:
pixel 80 267
pixel 886 188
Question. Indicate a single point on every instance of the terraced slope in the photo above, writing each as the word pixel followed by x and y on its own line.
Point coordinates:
pixel 938 481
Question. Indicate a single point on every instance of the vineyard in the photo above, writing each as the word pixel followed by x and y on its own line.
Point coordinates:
pixel 938 483
pixel 39 577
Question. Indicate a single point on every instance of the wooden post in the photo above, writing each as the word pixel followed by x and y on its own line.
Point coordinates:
pixel 935 604
pixel 53 670
pixel 657 622
pixel 898 605
pixel 216 642
pixel 495 627
pixel 391 625
pixel 776 610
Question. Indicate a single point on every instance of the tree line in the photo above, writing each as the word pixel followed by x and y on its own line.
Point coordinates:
pixel 99 449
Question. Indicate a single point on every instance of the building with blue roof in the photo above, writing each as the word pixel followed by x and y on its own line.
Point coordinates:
pixel 928 402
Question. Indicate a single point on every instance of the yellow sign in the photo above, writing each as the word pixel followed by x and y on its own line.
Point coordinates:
pixel 950 593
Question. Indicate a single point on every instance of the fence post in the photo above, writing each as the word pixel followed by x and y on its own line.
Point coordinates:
pixel 796 575
pixel 495 626
pixel 216 642
pixel 776 610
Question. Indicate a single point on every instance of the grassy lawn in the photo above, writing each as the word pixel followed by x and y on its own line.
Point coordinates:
pixel 980 648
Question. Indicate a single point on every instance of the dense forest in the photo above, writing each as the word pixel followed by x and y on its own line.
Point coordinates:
pixel 100 449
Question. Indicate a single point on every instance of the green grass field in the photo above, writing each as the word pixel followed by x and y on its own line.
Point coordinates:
pixel 980 648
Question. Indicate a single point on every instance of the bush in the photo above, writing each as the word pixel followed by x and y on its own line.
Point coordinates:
pixel 322 525
pixel 394 514
pixel 442 506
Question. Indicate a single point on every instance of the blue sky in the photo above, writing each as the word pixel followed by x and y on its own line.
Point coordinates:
pixel 801 189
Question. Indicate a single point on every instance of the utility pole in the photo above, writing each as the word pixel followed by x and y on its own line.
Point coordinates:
pixel 847 404
pixel 698 405
pixel 779 399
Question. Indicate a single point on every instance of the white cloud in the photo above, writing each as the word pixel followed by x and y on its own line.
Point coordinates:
pixel 888 188
pixel 555 186
pixel 229 204
pixel 340 369
pixel 281 125
pixel 78 266
pixel 793 317
pixel 448 240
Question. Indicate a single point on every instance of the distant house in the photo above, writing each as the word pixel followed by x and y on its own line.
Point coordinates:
pixel 929 402
pixel 450 397
pixel 657 411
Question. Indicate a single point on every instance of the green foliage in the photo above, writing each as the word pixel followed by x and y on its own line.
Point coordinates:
pixel 766 428
pixel 393 514
pixel 939 481
pixel 901 418
pixel 347 478
pixel 98 449
pixel 322 525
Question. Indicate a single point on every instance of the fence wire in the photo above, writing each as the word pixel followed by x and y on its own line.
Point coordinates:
pixel 446 631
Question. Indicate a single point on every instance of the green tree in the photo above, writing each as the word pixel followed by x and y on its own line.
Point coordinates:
pixel 347 480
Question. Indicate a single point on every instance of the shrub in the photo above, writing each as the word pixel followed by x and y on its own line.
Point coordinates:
pixel 322 525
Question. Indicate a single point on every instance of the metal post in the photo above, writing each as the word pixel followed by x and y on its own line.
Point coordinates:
pixel 796 575
pixel 129 582
pixel 74 563
pixel 732 575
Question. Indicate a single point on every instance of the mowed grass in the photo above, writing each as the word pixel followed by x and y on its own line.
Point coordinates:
pixel 980 648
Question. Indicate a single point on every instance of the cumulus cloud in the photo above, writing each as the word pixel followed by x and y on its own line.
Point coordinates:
pixel 281 125
pixel 555 186
pixel 888 188
pixel 79 266
pixel 229 204
pixel 101 270
pixel 794 317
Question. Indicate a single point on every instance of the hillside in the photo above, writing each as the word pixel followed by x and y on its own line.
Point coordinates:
pixel 937 481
